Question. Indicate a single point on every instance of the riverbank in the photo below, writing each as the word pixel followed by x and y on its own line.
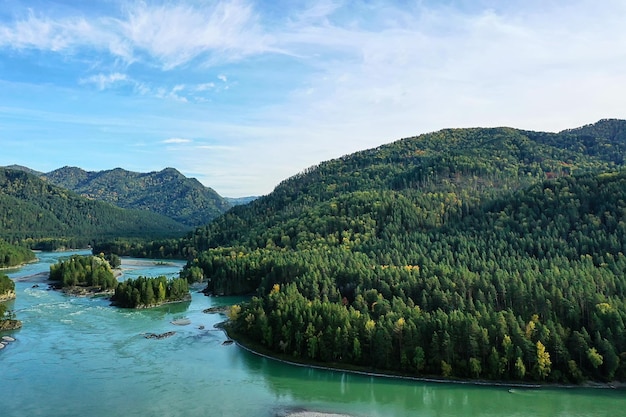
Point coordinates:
pixel 12 267
pixel 353 369
pixel 39 277
pixel 10 324
pixel 7 296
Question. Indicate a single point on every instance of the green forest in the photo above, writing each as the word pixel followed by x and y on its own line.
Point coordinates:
pixel 84 271
pixel 13 255
pixel 465 253
pixel 492 254
pixel 95 271
pixel 6 284
pixel 146 292
pixel 41 216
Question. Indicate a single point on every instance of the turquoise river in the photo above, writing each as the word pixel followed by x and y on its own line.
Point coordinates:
pixel 82 357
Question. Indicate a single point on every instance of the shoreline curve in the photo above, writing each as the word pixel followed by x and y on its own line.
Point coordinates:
pixel 502 384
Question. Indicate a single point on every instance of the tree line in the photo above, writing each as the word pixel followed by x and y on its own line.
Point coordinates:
pixel 148 292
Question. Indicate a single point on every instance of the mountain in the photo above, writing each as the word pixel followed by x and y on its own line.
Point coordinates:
pixel 469 165
pixel 23 168
pixel 166 192
pixel 35 211
pixel 469 253
pixel 238 201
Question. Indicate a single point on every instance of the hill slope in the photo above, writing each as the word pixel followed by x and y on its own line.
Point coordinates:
pixel 469 165
pixel 34 210
pixel 474 253
pixel 166 192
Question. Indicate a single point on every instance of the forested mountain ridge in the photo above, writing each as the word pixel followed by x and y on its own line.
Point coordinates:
pixel 475 253
pixel 34 211
pixel 165 192
pixel 471 164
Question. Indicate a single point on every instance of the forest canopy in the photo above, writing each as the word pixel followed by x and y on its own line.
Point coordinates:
pixel 84 271
pixel 149 292
pixel 14 255
pixel 465 253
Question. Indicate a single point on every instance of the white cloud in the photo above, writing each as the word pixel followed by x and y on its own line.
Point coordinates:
pixel 104 81
pixel 222 78
pixel 446 68
pixel 176 34
pixel 204 87
pixel 218 147
pixel 169 35
pixel 40 32
pixel 176 140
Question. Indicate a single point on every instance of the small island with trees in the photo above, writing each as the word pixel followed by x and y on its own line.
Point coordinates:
pixel 91 275
pixel 81 275
pixel 145 292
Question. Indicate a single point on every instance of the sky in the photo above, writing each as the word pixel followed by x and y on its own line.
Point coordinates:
pixel 243 94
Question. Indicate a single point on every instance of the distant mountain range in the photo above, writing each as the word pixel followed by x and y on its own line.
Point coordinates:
pixel 167 192
pixel 45 216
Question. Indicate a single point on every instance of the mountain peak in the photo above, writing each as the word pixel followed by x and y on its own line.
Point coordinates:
pixel 166 192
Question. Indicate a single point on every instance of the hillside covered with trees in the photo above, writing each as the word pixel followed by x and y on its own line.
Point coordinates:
pixel 472 253
pixel 40 215
pixel 167 192
pixel 13 255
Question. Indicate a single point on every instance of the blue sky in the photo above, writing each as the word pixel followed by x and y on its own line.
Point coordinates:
pixel 243 94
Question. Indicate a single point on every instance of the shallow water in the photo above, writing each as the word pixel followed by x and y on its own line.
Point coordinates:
pixel 81 357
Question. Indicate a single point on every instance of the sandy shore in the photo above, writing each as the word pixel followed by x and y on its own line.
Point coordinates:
pixel 128 263
pixel 40 277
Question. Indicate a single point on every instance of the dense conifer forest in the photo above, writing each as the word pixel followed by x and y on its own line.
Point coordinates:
pixel 471 253
pixel 149 292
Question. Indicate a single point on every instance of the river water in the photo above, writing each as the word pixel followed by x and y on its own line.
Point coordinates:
pixel 82 357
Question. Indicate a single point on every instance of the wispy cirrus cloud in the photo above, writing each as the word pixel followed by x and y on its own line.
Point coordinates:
pixel 46 33
pixel 104 81
pixel 175 34
pixel 176 140
pixel 167 35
